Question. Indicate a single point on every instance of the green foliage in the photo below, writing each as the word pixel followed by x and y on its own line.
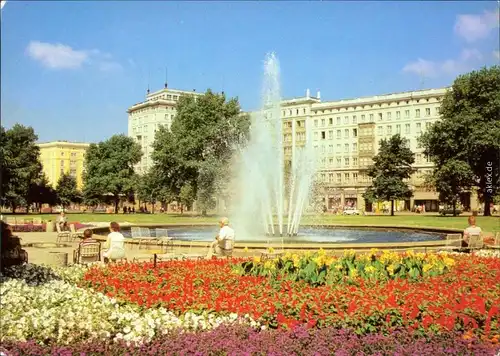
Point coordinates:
pixel 109 169
pixel 187 196
pixel 469 130
pixel 450 180
pixel 198 148
pixel 67 191
pixel 20 164
pixel 41 192
pixel 392 166
pixel 320 269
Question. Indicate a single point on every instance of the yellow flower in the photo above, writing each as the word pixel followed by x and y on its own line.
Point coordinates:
pixel 374 251
pixel 449 262
pixel 270 250
pixel 321 252
pixel 353 273
pixel 338 267
pixel 349 253
pixel 269 264
pixel 370 269
pixel 410 253
pixel 245 249
pixel 427 267
pixel 256 259
pixel 390 269
pixel 329 261
pixel 420 256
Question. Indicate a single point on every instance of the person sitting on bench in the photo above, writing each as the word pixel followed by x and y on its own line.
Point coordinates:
pixel 223 244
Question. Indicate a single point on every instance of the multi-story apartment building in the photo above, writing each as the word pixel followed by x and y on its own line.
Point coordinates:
pixel 146 117
pixel 60 157
pixel 346 135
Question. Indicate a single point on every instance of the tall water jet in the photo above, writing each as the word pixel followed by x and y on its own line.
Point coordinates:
pixel 261 180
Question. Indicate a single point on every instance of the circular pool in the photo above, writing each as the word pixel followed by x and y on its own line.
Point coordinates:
pixel 306 234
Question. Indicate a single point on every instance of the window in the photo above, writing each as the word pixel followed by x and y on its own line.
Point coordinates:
pixel 355 161
pixel 290 112
pixel 330 135
pixel 419 127
pixel 363 118
pixel 330 121
pixel 315 123
pixel 330 177
pixel 354 147
pixel 427 111
pixel 323 177
pixel 354 132
pixel 323 162
pixel 339 162
pixel 62 153
pixel 330 148
pixel 339 134
pixel 73 154
pixel 347 177
pixel 380 116
pixel 330 161
pixel 398 114
pixel 407 128
pixel 428 125
pixel 338 120
pixel 355 177
pixel 339 178
pixel 346 120
pixel 323 149
pixel 322 122
pixel 338 147
pixel 346 147
pixel 438 110
pixel 354 119
pixel 297 112
pixel 346 161
pixel 323 135
pixel 346 133
pixel 371 117
pixel 407 114
pixel 389 130
pixel 380 130
pixel 417 113
pixel 315 136
pixel 398 129
pixel 389 116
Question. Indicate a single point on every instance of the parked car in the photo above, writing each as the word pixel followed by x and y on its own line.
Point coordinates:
pixel 448 210
pixel 351 211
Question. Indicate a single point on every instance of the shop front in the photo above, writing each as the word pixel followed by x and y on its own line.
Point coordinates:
pixel 351 199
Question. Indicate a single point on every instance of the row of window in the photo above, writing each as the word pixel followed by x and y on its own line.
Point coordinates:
pixel 388 129
pixel 347 147
pixel 371 118
pixel 337 178
pixel 323 136
pixel 299 136
pixel 165 96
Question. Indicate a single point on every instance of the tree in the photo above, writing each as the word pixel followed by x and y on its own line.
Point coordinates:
pixel 392 166
pixel 41 192
pixel 469 130
pixel 149 189
pixel 67 191
pixel 198 149
pixel 187 196
pixel 20 164
pixel 450 180
pixel 109 169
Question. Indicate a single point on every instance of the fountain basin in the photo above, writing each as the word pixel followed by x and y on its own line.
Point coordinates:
pixel 46 245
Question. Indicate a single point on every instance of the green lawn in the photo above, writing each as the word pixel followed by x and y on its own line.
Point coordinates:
pixel 488 224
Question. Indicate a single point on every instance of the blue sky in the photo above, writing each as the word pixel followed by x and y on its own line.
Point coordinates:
pixel 71 69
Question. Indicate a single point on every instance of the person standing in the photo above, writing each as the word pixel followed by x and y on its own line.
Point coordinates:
pixel 224 241
pixel 114 247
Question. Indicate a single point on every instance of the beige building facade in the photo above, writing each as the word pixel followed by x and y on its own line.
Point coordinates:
pixel 61 157
pixel 346 134
pixel 146 117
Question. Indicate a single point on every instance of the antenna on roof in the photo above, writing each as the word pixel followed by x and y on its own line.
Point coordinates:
pixel 149 75
pixel 166 77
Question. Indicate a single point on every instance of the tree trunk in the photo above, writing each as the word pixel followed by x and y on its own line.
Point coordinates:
pixel 117 201
pixel 13 207
pixel 182 208
pixel 153 207
pixel 392 207
pixel 454 207
pixel 487 202
pixel 204 212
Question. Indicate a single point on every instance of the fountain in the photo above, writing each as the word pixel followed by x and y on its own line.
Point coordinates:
pixel 261 180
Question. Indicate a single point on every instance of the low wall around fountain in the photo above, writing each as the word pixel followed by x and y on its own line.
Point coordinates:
pixel 101 232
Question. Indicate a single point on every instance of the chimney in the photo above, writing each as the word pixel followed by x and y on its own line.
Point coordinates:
pixel 308 93
pixel 318 95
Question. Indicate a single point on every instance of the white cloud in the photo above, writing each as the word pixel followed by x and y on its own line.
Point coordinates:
pixel 56 56
pixel 60 56
pixel 476 27
pixel 110 66
pixel 425 68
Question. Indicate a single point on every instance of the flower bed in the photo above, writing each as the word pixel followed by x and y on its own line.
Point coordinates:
pixel 212 307
pixel 242 340
pixel 319 268
pixel 467 298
